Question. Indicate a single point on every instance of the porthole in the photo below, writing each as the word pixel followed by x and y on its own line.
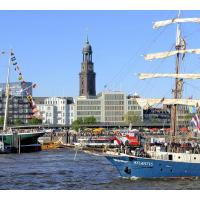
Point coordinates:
pixel 161 169
pixel 194 158
pixel 170 170
pixel 179 157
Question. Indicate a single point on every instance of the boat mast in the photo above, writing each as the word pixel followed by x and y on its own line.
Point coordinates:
pixel 7 96
pixel 176 91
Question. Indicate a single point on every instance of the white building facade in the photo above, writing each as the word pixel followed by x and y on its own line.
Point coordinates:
pixel 56 110
pixel 106 107
pixel 86 107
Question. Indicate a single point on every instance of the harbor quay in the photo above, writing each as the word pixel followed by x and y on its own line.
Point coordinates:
pixel 100 139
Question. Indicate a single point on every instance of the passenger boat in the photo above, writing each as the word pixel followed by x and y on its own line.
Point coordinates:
pixel 162 162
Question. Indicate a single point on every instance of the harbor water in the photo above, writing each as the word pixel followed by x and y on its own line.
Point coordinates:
pixel 57 169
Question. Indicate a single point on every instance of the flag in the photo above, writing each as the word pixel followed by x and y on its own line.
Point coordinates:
pixel 13 59
pixel 192 109
pixel 33 104
pixel 21 91
pixel 124 140
pixel 117 141
pixel 162 99
pixel 29 98
pixel 23 84
pixel 34 110
pixel 195 120
pixel 34 85
pixel 20 78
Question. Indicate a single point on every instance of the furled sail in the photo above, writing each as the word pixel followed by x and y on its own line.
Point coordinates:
pixel 156 75
pixel 170 53
pixel 176 20
pixel 145 103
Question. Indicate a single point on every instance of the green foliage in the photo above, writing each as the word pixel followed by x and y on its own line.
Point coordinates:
pixel 34 121
pixel 89 120
pixel 1 120
pixel 75 125
pixel 132 116
pixel 18 122
pixel 81 121
pixel 154 119
pixel 188 117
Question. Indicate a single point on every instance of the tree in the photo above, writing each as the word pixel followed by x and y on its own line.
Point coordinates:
pixel 18 122
pixel 89 120
pixel 132 116
pixel 1 120
pixel 75 125
pixel 188 117
pixel 34 121
pixel 80 121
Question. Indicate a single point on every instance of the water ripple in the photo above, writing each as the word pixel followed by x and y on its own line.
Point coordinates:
pixel 57 169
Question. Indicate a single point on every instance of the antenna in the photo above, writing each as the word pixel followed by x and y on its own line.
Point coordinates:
pixel 87 30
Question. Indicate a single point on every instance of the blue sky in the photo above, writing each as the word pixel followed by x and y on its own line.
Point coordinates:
pixel 48 47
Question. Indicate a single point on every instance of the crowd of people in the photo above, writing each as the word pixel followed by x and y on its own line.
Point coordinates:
pixel 175 147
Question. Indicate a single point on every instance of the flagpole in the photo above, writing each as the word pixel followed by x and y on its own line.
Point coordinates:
pixel 7 97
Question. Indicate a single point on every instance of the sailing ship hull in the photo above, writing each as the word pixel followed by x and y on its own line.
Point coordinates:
pixel 140 167
pixel 28 141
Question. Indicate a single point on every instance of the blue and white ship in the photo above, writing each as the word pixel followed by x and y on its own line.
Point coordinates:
pixel 160 163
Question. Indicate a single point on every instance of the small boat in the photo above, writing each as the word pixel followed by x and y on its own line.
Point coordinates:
pixel 157 162
pixel 97 142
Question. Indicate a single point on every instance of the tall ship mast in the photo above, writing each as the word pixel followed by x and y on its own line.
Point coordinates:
pixel 18 140
pixel 173 158
pixel 7 97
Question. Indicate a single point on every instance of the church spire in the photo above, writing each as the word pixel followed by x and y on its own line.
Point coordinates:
pixel 87 51
pixel 87 74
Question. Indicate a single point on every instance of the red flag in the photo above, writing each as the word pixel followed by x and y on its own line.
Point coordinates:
pixel 34 85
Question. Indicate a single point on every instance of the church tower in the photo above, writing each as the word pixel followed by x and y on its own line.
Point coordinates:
pixel 87 75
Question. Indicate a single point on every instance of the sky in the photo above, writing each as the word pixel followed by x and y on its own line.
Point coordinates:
pixel 48 47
